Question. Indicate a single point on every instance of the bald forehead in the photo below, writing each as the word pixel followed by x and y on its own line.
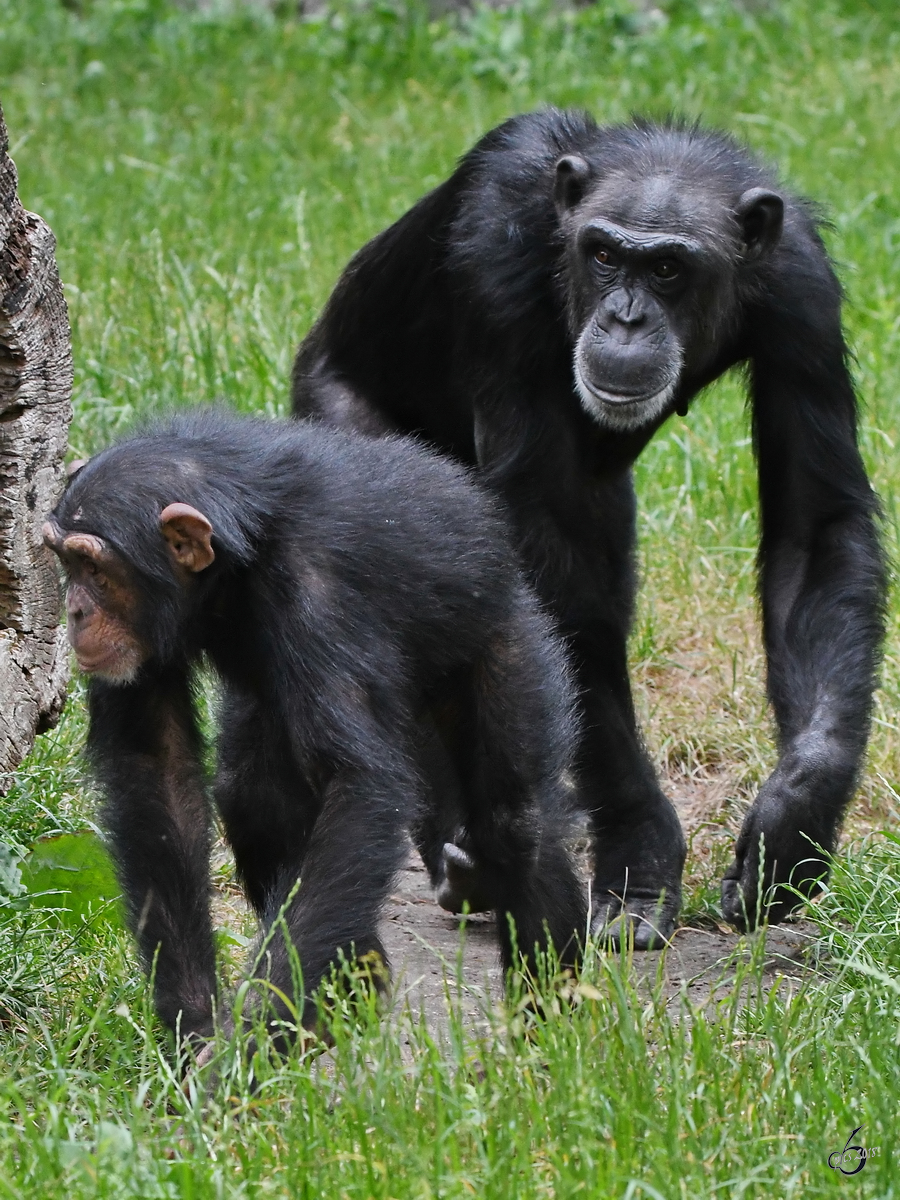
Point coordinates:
pixel 664 199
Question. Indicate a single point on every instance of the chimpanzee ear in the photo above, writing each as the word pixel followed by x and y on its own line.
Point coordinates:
pixel 75 466
pixel 761 214
pixel 572 176
pixel 189 535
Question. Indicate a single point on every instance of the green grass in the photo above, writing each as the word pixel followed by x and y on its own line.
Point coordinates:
pixel 207 176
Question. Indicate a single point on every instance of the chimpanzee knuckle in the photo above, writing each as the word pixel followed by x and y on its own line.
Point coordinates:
pixel 735 904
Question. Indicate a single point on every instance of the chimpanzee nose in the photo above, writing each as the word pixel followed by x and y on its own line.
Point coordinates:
pixel 75 610
pixel 635 315
pixel 621 313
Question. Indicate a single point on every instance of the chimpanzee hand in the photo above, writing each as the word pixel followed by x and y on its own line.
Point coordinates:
pixel 645 923
pixel 787 826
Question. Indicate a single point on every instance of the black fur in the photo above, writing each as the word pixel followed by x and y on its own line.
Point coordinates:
pixel 356 585
pixel 459 323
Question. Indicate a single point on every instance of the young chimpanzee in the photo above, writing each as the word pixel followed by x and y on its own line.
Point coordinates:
pixel 341 588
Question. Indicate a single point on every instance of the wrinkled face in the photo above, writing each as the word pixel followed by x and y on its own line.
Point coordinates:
pixel 652 277
pixel 102 604
pixel 630 354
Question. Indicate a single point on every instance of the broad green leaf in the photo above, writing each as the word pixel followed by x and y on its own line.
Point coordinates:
pixel 74 875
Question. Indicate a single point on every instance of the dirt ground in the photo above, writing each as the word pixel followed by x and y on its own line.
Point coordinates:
pixel 438 959
pixel 432 952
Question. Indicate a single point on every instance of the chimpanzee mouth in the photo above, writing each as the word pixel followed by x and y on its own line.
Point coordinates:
pixel 110 665
pixel 617 410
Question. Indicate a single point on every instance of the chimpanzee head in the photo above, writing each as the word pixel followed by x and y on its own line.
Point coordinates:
pixel 663 240
pixel 131 548
pixel 109 621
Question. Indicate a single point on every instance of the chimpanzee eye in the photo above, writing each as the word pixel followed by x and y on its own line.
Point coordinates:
pixel 666 268
pixel 602 256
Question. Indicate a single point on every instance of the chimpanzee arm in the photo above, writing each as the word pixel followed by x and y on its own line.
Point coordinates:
pixel 822 581
pixel 318 390
pixel 145 748
pixel 345 786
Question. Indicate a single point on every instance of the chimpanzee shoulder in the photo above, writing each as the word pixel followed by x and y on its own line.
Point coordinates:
pixel 505 240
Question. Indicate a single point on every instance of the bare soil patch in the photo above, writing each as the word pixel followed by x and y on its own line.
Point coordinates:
pixel 438 959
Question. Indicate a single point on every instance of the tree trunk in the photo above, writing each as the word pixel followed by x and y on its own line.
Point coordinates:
pixel 35 411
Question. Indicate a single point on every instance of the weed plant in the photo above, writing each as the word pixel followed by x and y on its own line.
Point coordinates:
pixel 207 171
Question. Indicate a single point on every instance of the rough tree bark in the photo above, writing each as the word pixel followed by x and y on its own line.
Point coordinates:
pixel 35 411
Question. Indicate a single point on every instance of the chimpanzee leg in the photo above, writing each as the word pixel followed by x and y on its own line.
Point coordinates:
pixel 267 805
pixel 639 848
pixel 146 749
pixel 439 827
pixel 584 572
pixel 440 817
pixel 514 738
pixel 356 847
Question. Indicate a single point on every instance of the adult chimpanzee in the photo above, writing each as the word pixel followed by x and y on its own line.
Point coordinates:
pixel 540 315
pixel 340 587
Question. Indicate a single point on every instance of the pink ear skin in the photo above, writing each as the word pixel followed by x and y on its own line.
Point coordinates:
pixel 189 535
pixel 75 466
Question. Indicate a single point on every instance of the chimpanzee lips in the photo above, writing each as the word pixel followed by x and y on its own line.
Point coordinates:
pixel 622 410
pixel 114 663
pixel 94 663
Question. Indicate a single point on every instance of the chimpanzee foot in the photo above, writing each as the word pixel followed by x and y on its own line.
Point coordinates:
pixel 462 883
pixel 646 923
pixel 205 1055
pixel 637 880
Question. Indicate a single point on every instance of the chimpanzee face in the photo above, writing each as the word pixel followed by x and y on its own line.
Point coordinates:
pixel 105 605
pixel 653 275
pixel 101 605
